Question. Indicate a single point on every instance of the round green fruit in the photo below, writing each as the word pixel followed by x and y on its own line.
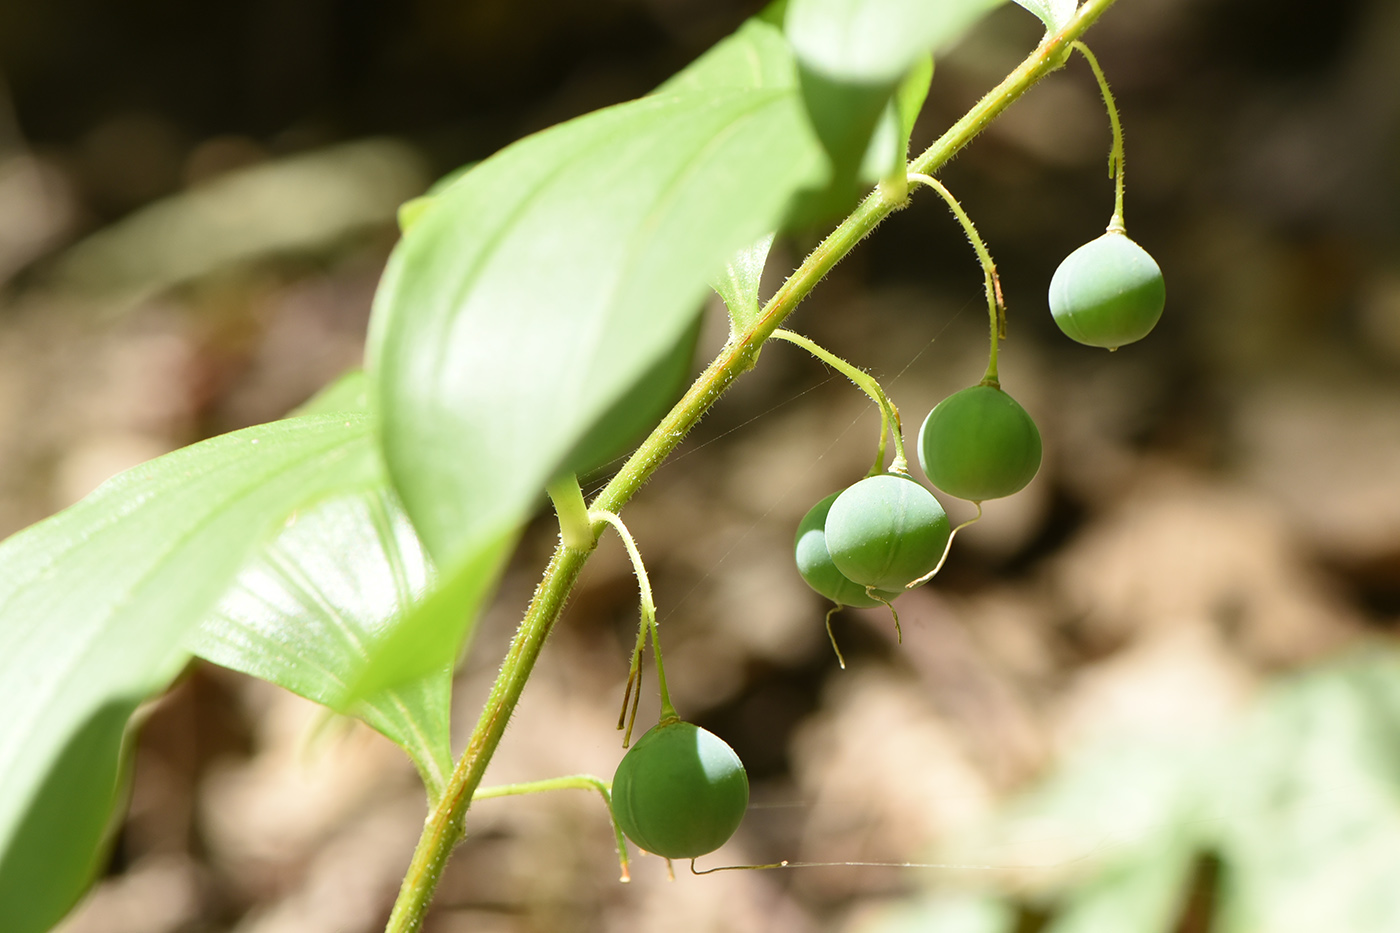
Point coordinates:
pixel 814 562
pixel 886 531
pixel 979 444
pixel 680 792
pixel 1107 293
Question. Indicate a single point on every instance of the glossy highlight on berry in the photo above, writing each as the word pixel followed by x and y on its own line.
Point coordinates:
pixel 680 792
pixel 815 565
pixel 886 531
pixel 979 444
pixel 1107 293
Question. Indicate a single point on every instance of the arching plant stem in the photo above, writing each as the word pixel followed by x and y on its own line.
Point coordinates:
pixel 443 828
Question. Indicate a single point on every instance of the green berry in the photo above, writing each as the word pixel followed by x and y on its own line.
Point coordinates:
pixel 886 531
pixel 979 444
pixel 680 792
pixel 814 562
pixel 1107 293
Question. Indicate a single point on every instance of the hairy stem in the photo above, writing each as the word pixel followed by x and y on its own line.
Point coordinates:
pixel 444 826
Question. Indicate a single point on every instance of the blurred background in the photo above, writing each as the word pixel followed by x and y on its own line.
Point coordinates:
pixel 1156 691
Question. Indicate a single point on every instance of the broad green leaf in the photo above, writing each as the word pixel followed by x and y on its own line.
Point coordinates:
pixel 623 426
pixel 845 115
pixel 889 145
pixel 875 42
pixel 544 285
pixel 95 604
pixel 851 55
pixel 305 613
pixel 755 56
pixel 411 210
pixel 438 630
pixel 909 97
pixel 325 594
pixel 1053 13
pixel 348 393
pixel 738 283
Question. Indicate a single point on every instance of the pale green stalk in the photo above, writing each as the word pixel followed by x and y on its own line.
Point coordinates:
pixel 444 826
pixel 567 782
pixel 889 415
pixel 668 712
pixel 996 307
pixel 1115 156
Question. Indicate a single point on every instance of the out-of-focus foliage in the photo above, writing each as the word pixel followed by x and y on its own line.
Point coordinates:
pixel 305 204
pixel 1294 810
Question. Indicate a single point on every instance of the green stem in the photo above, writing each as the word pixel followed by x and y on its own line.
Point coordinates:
pixel 444 826
pixel 889 415
pixel 996 306
pixel 575 527
pixel 567 782
pixel 648 603
pixel 947 549
pixel 1115 155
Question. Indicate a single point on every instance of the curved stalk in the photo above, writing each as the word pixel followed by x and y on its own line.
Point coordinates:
pixel 1115 155
pixel 996 305
pixel 889 415
pixel 648 615
pixel 444 827
pixel 568 782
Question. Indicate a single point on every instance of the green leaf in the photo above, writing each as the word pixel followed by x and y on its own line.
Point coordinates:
pixel 875 42
pixel 436 631
pixel 95 604
pixel 909 97
pixel 738 283
pixel 845 115
pixel 755 56
pixel 414 208
pixel 1053 13
pixel 851 55
pixel 550 280
pixel 305 613
pixel 348 393
pixel 889 145
pixel 624 425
